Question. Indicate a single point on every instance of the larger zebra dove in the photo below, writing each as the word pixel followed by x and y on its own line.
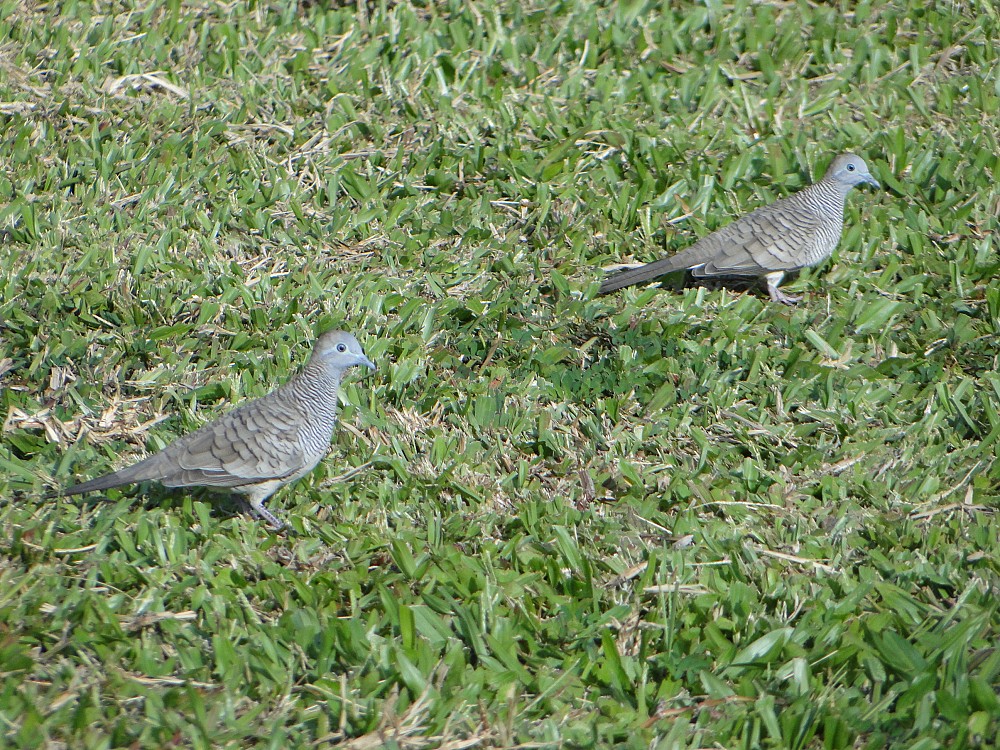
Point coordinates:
pixel 260 445
pixel 791 233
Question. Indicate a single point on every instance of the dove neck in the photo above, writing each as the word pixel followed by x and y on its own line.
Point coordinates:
pixel 827 196
pixel 320 384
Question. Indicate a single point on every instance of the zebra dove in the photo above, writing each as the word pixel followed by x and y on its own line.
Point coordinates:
pixel 261 445
pixel 791 233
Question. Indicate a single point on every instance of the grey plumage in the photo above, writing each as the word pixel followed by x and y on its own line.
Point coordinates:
pixel 260 445
pixel 791 233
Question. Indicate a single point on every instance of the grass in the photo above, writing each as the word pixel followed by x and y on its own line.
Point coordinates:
pixel 670 518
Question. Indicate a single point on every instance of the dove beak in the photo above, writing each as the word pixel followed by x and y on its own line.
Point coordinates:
pixel 363 360
pixel 872 181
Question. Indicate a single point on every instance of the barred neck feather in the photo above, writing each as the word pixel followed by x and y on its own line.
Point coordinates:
pixel 826 198
pixel 316 389
pixel 317 386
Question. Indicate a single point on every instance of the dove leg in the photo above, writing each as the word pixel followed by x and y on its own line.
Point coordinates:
pixel 258 509
pixel 773 279
pixel 256 500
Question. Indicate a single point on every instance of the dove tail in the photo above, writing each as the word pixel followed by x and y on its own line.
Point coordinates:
pixel 140 472
pixel 642 274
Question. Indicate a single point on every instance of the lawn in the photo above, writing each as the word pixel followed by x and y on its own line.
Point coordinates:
pixel 671 517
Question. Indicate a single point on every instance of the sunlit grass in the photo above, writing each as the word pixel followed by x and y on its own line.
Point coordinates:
pixel 673 518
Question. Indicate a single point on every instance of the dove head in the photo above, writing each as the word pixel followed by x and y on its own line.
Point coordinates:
pixel 849 170
pixel 338 350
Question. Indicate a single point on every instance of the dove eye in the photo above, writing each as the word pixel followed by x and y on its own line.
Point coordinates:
pixel 341 348
pixel 850 167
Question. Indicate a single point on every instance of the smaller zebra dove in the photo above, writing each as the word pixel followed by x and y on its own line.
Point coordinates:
pixel 261 445
pixel 791 233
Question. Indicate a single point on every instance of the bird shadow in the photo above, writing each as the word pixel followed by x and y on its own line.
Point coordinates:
pixel 152 496
pixel 679 281
pixel 738 284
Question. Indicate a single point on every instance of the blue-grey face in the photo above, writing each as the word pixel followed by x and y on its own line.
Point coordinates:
pixel 341 350
pixel 851 170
